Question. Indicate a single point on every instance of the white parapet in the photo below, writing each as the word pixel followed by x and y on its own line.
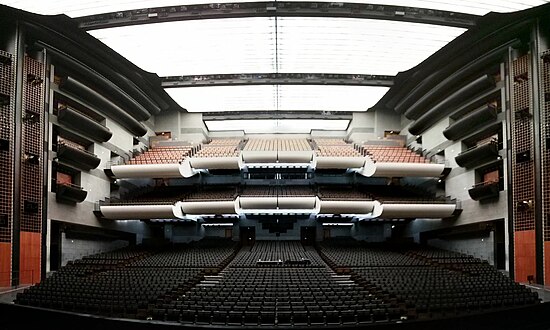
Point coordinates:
pixel 148 171
pixel 401 169
pixel 207 207
pixel 214 163
pixel 289 156
pixel 417 210
pixel 259 156
pixel 347 207
pixel 322 162
pixel 298 202
pixel 265 203
pixel 140 212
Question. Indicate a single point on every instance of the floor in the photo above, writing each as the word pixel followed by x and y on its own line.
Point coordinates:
pixel 7 295
pixel 542 290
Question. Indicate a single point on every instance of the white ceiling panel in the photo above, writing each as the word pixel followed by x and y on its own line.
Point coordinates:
pixel 297 44
pixel 232 45
pixel 222 98
pixel 328 98
pixel 364 46
pixel 277 125
pixel 277 98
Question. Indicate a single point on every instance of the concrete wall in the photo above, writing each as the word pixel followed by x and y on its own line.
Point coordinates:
pixel 73 249
pixel 386 120
pixel 370 232
pixel 362 127
pixel 183 126
pixel 183 233
pixel 291 235
pixel 433 136
pixel 457 184
pixel 214 231
pixel 121 138
pixel 478 247
pixel 340 231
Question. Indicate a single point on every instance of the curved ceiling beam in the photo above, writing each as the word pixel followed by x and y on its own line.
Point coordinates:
pixel 278 9
pixel 277 79
pixel 244 115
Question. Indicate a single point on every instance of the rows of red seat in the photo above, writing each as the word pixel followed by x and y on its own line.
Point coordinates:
pixel 392 154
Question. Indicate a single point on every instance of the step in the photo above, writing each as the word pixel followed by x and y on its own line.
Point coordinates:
pixel 213 277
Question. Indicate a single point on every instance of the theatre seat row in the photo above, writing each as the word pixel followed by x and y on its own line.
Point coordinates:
pixel 429 282
pixel 232 148
pixel 278 294
pixel 172 194
pixel 210 283
pixel 128 282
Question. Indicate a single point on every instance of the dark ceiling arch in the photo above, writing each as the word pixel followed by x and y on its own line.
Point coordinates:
pixel 277 9
pixel 277 79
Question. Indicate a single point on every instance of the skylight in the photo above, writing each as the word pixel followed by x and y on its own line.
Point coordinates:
pixel 296 44
pixel 274 98
pixel 241 45
pixel 259 126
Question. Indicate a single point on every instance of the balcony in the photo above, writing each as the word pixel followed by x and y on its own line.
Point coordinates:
pixel 67 192
pixel 79 158
pixel 478 154
pixel 83 124
pixel 470 122
pixel 484 190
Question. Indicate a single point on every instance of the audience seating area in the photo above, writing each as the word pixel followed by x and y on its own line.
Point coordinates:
pixel 392 154
pixel 128 283
pixel 323 147
pixel 427 282
pixel 287 191
pixel 341 282
pixel 250 293
pixel 335 148
pixel 282 251
pixel 162 155
pixel 277 145
pixel 213 194
pixel 382 193
pixel 342 194
pixel 220 148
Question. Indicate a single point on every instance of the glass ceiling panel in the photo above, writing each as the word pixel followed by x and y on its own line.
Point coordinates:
pixel 233 45
pixel 364 46
pixel 277 125
pixel 247 45
pixel 274 98
pixel 91 7
pixel 222 98
pixel 329 98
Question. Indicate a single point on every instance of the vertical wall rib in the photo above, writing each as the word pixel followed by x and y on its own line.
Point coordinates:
pixel 544 97
pixel 523 171
pixel 32 146
pixel 7 108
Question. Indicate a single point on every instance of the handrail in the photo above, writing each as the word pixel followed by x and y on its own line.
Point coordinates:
pixel 492 141
pixel 72 185
pixel 485 183
pixel 61 143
